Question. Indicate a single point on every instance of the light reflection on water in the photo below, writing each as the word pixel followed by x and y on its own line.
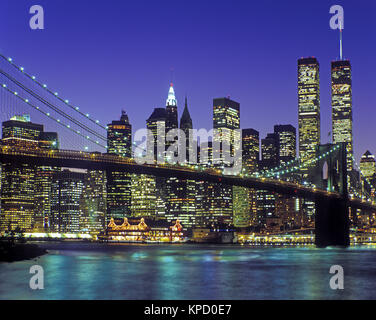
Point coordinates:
pixel 98 271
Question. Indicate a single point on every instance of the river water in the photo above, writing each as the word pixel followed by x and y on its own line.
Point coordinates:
pixel 184 271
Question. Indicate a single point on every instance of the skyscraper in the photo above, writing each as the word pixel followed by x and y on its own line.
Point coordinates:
pixel 342 107
pixel 244 199
pixel 286 143
pixel 265 199
pixel 309 108
pixel 309 118
pixel 226 119
pixel 25 188
pixel 368 170
pixel 119 142
pixel 156 123
pixel 66 199
pixel 251 158
pixel 181 193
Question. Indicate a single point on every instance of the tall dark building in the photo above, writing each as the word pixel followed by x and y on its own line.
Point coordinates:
pixel 181 193
pixel 156 123
pixel 250 158
pixel 342 118
pixel 265 199
pixel 119 142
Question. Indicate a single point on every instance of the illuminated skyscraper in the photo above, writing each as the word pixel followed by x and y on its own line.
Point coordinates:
pixel 309 108
pixel 309 117
pixel 226 119
pixel 66 199
pixel 119 142
pixel 25 188
pixel 266 199
pixel 93 202
pixel 368 170
pixel 368 165
pixel 156 123
pixel 181 193
pixel 286 143
pixel 244 199
pixel 342 107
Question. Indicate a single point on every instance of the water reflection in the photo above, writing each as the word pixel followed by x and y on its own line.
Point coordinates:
pixel 96 271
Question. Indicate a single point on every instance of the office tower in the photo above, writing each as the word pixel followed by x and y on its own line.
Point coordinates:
pixel 368 171
pixel 342 107
pixel 119 142
pixel 309 119
pixel 251 150
pixel 43 182
pixel 266 213
pixel 144 201
pixel 287 208
pixel 368 165
pixel 204 197
pixel 181 193
pixel 309 108
pixel 67 192
pixel 156 123
pixel 22 200
pixel 226 119
pixel 250 158
pixel 286 143
pixel 93 202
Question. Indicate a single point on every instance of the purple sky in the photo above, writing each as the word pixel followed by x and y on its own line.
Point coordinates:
pixel 109 55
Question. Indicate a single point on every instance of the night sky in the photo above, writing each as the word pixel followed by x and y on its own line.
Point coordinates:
pixel 110 55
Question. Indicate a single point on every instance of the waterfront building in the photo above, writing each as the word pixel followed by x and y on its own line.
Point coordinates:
pixel 66 199
pixel 93 202
pixel 25 188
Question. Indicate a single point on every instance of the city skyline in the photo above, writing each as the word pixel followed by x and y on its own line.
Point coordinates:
pixel 243 88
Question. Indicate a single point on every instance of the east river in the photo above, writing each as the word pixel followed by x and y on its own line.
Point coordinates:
pixel 184 271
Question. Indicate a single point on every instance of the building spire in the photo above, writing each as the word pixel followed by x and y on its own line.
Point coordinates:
pixel 171 99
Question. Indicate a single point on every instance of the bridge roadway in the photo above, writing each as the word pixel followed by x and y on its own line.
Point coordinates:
pixel 100 161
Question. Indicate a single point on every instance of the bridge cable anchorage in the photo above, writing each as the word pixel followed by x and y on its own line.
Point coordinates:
pixel 67 126
pixel 51 106
pixel 302 165
pixel 54 94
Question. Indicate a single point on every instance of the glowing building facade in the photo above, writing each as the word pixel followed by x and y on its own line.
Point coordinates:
pixel 342 119
pixel 119 142
pixel 25 192
pixel 309 107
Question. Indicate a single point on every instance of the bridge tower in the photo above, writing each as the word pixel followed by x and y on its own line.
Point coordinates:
pixel 332 214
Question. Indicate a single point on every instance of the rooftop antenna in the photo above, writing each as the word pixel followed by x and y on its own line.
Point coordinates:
pixel 340 40
pixel 172 75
